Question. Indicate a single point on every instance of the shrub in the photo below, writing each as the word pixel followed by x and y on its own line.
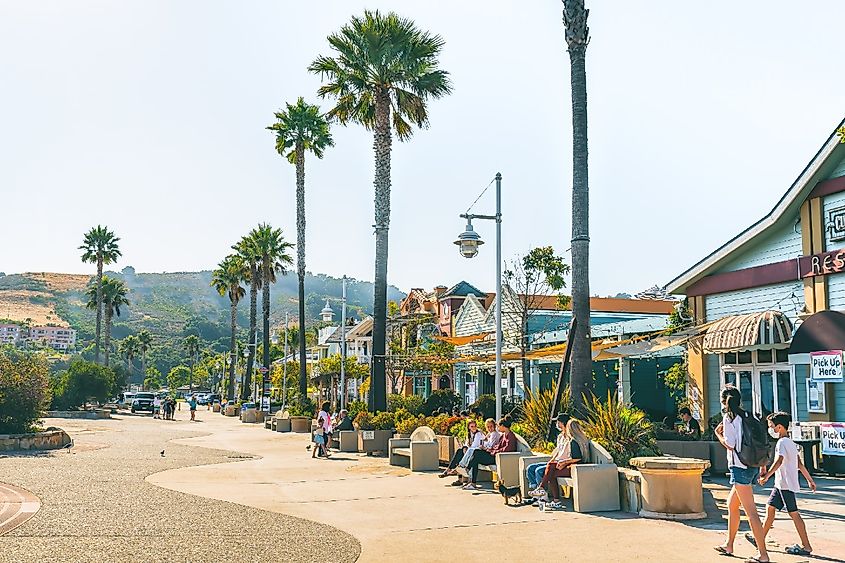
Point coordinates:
pixel 354 407
pixel 624 431
pixel 460 429
pixel 411 403
pixel 24 390
pixel 402 414
pixel 485 405
pixel 442 399
pixel 536 419
pixel 302 407
pixel 408 425
pixel 442 423
pixel 363 421
pixel 384 421
pixel 82 383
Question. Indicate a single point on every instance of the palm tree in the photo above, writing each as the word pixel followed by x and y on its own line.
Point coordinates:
pixel 299 129
pixel 192 348
pixel 99 246
pixel 251 258
pixel 577 37
pixel 129 347
pixel 384 71
pixel 273 250
pixel 226 279
pixel 145 342
pixel 113 293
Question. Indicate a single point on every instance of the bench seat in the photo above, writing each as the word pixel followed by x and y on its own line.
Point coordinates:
pixel 420 451
pixel 402 451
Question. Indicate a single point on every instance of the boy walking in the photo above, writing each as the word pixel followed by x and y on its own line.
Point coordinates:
pixel 786 467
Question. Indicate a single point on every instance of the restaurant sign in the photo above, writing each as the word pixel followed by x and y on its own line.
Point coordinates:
pixel 833 438
pixel 826 366
pixel 822 264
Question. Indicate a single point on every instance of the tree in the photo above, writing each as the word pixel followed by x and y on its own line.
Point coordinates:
pixel 99 246
pixel 249 252
pixel 129 348
pixel 153 379
pixel 113 292
pixel 86 382
pixel 192 348
pixel 328 370
pixel 534 278
pixel 24 389
pixel 384 72
pixel 299 129
pixel 226 279
pixel 273 250
pixel 577 36
pixel 177 377
pixel 145 342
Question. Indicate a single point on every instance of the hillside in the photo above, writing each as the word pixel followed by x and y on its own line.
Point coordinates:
pixel 170 305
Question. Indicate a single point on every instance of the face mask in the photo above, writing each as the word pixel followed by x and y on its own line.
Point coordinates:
pixel 773 433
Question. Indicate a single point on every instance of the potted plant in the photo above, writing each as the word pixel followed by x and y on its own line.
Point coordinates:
pixel 447 443
pixel 406 423
pixel 300 416
pixel 374 431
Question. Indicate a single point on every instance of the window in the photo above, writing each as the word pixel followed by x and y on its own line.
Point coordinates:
pixel 743 357
pixel 782 356
pixel 766 385
pixel 764 356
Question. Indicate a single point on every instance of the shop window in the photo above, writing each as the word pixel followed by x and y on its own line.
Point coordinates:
pixel 782 356
pixel 730 358
pixel 764 356
pixel 743 357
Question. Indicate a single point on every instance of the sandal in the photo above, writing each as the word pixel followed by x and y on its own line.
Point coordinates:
pixel 443 475
pixel 749 537
pixel 798 550
pixel 722 550
pixel 457 482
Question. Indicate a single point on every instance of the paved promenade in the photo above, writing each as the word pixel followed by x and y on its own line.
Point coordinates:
pixel 223 486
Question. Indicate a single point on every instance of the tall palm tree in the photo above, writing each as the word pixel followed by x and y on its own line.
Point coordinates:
pixel 145 342
pixel 192 348
pixel 226 279
pixel 129 347
pixel 275 259
pixel 577 37
pixel 99 246
pixel 247 250
pixel 113 293
pixel 384 72
pixel 299 129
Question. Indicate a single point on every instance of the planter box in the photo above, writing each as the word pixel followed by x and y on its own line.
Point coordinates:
pixel 300 424
pixel 249 416
pixel 370 441
pixel 215 407
pixel 447 446
pixel 399 436
pixel 347 440
pixel 231 410
pixel 282 425
pixel 630 490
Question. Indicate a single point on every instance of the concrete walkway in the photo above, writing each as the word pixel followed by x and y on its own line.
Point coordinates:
pixel 398 515
pixel 16 507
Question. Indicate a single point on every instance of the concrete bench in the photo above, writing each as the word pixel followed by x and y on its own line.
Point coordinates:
pixel 594 486
pixel 421 450
pixel 507 468
pixel 280 422
pixel 347 440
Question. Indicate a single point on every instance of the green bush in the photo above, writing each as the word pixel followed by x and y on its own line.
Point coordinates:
pixel 537 413
pixel 486 405
pixel 623 430
pixel 303 407
pixel 412 403
pixel 408 425
pixel 442 399
pixel 354 407
pixel 24 390
pixel 82 383
pixel 384 421
pixel 363 421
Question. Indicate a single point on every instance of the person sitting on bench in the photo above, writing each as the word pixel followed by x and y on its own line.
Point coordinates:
pixel 575 445
pixel 482 456
pixel 535 472
pixel 474 439
pixel 344 421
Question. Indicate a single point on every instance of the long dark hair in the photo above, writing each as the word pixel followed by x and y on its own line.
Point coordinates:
pixel 732 399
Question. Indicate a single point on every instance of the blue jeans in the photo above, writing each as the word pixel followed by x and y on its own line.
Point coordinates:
pixel 534 473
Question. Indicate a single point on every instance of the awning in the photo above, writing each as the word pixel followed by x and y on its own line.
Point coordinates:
pixel 766 329
pixel 461 340
pixel 819 332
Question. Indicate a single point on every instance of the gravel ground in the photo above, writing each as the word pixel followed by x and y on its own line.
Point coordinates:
pixel 96 505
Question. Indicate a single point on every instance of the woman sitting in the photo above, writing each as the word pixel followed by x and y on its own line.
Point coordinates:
pixel 487 456
pixel 473 440
pixel 575 447
pixel 489 442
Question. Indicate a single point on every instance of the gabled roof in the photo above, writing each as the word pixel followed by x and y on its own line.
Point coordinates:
pixel 462 289
pixel 786 209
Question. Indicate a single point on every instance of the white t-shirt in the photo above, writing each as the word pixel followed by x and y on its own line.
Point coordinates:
pixel 786 476
pixel 327 421
pixel 492 439
pixel 733 437
pixel 477 439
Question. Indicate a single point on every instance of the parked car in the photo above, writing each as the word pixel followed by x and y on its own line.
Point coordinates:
pixel 124 400
pixel 143 402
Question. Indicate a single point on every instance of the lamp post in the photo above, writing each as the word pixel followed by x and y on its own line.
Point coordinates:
pixel 468 242
pixel 343 347
pixel 285 369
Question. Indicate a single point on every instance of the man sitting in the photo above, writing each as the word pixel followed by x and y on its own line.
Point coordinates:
pixel 690 426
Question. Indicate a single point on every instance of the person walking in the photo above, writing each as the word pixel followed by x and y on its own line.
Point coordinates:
pixel 324 421
pixel 192 403
pixel 729 433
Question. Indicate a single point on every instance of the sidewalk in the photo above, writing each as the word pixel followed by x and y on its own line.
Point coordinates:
pixel 399 515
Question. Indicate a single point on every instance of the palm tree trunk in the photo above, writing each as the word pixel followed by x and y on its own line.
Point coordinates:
pixel 265 305
pixel 577 37
pixel 253 322
pixel 107 338
pixel 230 388
pixel 300 262
pixel 99 308
pixel 143 365
pixel 382 146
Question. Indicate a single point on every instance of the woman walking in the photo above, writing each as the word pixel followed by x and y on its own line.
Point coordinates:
pixel 729 433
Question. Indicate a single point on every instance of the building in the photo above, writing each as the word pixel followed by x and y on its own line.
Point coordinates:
pixel 56 337
pixel 442 303
pixel 770 297
pixel 10 333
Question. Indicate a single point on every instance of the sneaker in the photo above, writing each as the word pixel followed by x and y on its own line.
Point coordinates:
pixel 457 483
pixel 538 492
pixel 469 487
pixel 554 505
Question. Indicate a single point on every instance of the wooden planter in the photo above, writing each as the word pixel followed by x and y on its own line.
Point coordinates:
pixel 447 446
pixel 301 424
pixel 370 441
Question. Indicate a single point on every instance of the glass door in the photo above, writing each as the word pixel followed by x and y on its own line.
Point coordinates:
pixel 773 391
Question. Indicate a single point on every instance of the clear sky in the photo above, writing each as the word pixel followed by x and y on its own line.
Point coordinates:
pixel 148 116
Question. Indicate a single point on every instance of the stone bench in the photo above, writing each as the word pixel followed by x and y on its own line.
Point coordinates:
pixel 421 450
pixel 347 440
pixel 507 468
pixel 594 486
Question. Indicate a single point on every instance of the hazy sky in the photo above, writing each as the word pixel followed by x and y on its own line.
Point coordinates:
pixel 148 116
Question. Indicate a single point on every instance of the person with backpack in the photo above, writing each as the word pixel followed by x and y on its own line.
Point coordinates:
pixel 745 439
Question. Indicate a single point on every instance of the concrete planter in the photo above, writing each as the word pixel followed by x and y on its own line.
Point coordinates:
pixel 249 416
pixel 282 425
pixel 300 424
pixel 696 449
pixel 95 414
pixel 231 410
pixel 447 446
pixel 49 440
pixel 630 490
pixel 370 441
pixel 215 407
pixel 671 487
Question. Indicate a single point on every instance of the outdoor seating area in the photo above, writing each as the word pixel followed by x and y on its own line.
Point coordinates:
pixel 420 450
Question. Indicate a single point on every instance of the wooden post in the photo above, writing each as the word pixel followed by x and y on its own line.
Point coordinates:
pixel 564 365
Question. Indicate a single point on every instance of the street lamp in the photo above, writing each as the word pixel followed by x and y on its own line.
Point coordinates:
pixel 468 243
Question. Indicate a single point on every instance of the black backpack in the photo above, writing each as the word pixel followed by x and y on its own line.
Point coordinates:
pixel 754 449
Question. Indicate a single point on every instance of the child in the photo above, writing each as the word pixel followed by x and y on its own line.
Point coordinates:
pixel 319 444
pixel 786 467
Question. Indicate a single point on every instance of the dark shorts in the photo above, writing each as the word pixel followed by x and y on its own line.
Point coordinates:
pixel 740 476
pixel 780 499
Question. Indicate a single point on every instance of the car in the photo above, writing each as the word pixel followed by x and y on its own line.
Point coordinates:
pixel 143 402
pixel 124 400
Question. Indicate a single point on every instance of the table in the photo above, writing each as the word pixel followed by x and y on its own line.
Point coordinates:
pixel 671 487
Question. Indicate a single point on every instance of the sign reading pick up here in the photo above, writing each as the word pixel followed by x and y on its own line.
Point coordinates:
pixel 833 438
pixel 826 366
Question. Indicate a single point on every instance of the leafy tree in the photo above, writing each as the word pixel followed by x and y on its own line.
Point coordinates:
pixel 384 71
pixel 442 399
pixel 153 380
pixel 178 376
pixel 86 382
pixel 328 369
pixel 577 36
pixel 24 389
pixel 192 348
pixel 227 279
pixel 113 292
pixel 129 348
pixel 299 129
pixel 99 246
pixel 145 342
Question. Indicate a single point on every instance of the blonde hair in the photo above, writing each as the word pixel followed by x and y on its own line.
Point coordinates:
pixel 575 432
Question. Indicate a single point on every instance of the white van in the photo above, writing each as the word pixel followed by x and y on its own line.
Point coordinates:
pixel 124 400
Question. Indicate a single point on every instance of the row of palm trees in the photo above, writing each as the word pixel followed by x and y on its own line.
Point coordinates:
pixel 105 295
pixel 259 256
pixel 134 345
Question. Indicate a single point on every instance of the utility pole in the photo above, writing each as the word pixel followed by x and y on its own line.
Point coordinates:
pixel 343 347
pixel 285 369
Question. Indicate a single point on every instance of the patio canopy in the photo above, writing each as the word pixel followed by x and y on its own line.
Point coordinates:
pixel 820 332
pixel 766 329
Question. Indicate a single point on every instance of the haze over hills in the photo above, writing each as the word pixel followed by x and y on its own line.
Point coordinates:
pixel 171 306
